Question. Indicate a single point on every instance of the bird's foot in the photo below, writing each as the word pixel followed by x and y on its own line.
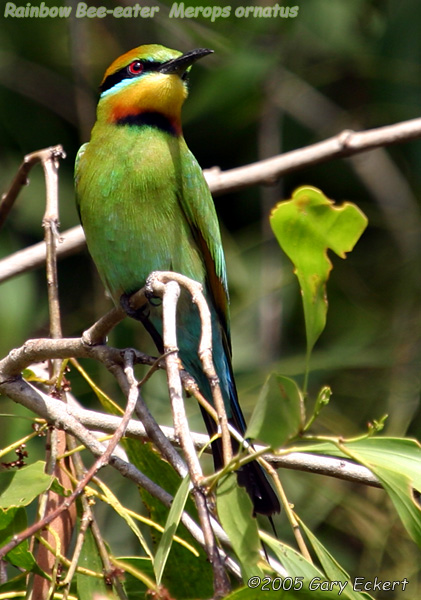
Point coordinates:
pixel 142 314
pixel 134 313
pixel 152 299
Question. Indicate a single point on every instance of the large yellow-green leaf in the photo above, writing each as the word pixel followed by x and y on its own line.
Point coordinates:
pixel 306 227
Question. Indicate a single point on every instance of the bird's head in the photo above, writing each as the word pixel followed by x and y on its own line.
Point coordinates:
pixel 148 80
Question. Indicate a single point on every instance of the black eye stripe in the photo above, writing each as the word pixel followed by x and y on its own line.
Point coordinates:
pixel 124 73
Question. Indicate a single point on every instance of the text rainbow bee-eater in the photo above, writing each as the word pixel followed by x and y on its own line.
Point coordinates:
pixel 145 206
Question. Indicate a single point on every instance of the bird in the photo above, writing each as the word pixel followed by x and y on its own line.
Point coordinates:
pixel 145 206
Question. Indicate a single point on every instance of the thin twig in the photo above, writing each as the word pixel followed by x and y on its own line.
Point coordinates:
pixel 66 562
pixel 150 426
pixel 50 223
pixel 61 530
pixel 88 520
pixel 85 522
pixel 21 177
pixel 295 526
pixel 38 350
pixel 38 402
pixel 100 462
pixel 97 334
pixel 192 388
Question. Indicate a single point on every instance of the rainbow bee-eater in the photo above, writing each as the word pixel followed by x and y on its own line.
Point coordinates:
pixel 145 206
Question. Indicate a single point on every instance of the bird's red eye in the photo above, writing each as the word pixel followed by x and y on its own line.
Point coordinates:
pixel 135 68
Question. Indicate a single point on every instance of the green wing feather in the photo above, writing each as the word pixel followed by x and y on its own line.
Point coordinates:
pixel 197 204
pixel 79 155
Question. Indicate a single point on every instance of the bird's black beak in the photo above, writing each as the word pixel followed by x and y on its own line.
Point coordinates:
pixel 180 64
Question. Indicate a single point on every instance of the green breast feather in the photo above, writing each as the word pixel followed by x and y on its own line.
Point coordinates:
pixel 144 205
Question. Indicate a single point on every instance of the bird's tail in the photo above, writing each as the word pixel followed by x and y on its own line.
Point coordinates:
pixel 251 476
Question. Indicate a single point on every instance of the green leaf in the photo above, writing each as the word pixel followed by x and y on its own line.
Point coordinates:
pixel 199 583
pixel 331 567
pixel 12 522
pixel 401 454
pixel 88 586
pixel 140 567
pixel 124 514
pixel 294 563
pixel 315 584
pixel 171 525
pixel 277 414
pixel 21 487
pixel 396 462
pixel 269 587
pixel 306 227
pixel 235 512
pixel 29 375
pixel 399 489
pixel 16 584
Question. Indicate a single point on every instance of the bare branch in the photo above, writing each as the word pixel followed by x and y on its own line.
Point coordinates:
pixel 37 350
pixel 70 242
pixel 64 417
pixel 346 143
pixel 98 332
pixel 50 222
pixel 41 349
pixel 21 178
pixel 266 172
pixel 205 346
pixel 104 458
pixel 62 521
pixel 297 461
pixel 148 424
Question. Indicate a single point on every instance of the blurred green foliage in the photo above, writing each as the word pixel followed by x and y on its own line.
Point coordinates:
pixel 272 85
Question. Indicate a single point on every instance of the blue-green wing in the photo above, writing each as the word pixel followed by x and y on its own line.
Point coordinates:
pixel 199 209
